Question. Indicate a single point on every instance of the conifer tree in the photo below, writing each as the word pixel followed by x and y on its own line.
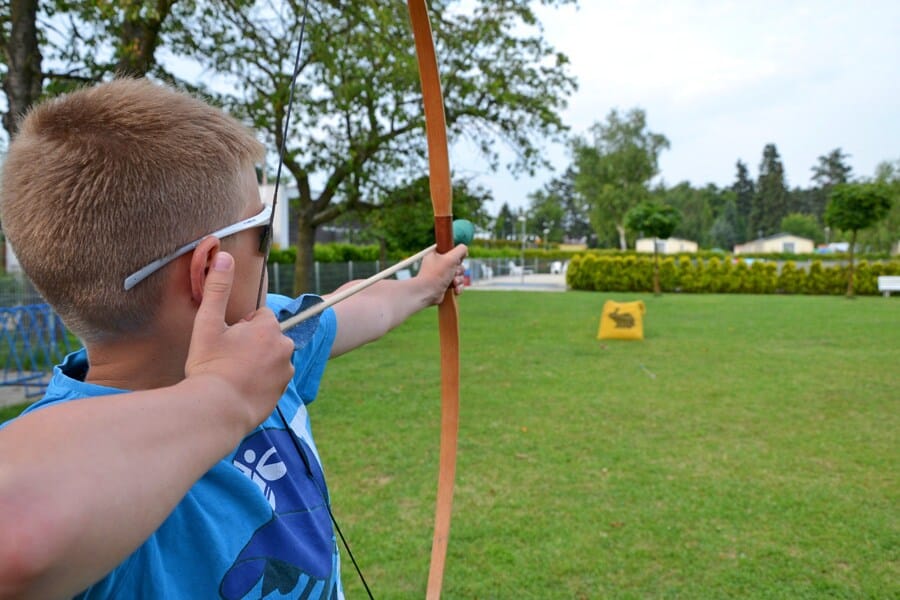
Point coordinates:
pixel 771 200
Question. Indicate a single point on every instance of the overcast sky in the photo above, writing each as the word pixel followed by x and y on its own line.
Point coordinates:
pixel 722 79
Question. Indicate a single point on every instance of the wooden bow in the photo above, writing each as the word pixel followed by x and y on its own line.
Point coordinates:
pixel 448 317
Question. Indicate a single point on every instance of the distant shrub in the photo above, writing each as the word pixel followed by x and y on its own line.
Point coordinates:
pixel 668 275
pixel 345 253
pixel 791 279
pixel 630 273
pixel 283 256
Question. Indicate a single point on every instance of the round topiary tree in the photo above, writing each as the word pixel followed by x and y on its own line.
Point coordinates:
pixel 856 206
pixel 657 221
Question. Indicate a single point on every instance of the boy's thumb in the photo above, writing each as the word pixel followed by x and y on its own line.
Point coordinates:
pixel 217 288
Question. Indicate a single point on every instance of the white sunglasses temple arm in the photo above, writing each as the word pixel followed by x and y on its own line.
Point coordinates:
pixel 255 221
pixel 142 274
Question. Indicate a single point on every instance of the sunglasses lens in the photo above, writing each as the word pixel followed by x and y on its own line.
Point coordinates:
pixel 265 239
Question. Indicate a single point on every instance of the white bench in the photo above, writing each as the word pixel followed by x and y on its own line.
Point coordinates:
pixel 888 284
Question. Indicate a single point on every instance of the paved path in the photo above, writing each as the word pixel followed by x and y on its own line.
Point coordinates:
pixel 539 282
pixel 14 394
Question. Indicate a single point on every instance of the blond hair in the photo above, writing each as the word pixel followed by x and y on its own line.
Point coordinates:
pixel 104 180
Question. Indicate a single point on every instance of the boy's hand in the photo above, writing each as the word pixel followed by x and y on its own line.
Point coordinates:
pixel 252 356
pixel 443 271
pixel 373 312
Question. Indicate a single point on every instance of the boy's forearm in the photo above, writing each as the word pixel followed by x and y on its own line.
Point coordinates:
pixel 370 314
pixel 85 483
pixel 379 308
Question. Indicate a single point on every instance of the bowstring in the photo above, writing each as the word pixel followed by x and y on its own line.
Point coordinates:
pixel 262 278
pixel 281 150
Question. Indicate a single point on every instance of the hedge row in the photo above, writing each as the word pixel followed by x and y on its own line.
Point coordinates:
pixel 327 253
pixel 715 276
pixel 340 252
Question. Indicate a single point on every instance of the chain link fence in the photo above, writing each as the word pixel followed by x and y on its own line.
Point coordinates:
pixel 34 338
pixel 327 277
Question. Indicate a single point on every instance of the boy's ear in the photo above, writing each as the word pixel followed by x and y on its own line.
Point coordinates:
pixel 201 259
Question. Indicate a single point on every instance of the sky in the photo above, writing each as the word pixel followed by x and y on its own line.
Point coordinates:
pixel 721 79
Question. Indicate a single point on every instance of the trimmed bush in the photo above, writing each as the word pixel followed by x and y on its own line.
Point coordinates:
pixel 668 275
pixel 345 253
pixel 791 279
pixel 630 273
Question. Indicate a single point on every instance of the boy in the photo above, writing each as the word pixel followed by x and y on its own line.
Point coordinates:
pixel 175 492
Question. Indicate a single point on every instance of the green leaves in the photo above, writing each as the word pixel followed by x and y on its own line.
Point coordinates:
pixel 653 220
pixel 614 168
pixel 855 206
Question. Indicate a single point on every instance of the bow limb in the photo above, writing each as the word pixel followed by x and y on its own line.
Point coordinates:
pixel 448 317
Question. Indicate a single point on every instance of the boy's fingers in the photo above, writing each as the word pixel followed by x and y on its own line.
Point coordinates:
pixel 217 289
pixel 460 252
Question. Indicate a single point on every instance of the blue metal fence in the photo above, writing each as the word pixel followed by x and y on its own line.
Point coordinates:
pixel 34 339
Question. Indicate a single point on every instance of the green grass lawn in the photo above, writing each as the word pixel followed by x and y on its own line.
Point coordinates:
pixel 8 412
pixel 748 447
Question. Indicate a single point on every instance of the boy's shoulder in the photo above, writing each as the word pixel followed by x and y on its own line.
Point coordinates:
pixel 322 325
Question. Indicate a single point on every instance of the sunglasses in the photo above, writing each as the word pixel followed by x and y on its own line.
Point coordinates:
pixel 260 220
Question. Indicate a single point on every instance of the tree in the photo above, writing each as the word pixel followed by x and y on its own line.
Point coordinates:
pixel 576 223
pixel 726 230
pixel 613 169
pixel 546 212
pixel 831 170
pixel 558 208
pixel 809 201
pixel 695 207
pixel 96 39
pixel 21 55
pixel 504 224
pixel 884 235
pixel 770 203
pixel 745 191
pixel 358 127
pixel 81 29
pixel 50 47
pixel 409 224
pixel 803 225
pixel 856 206
pixel 22 72
pixel 657 221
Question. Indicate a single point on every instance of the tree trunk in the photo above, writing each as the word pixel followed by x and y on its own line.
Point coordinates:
pixel 623 244
pixel 382 249
pixel 24 79
pixel 138 40
pixel 304 268
pixel 656 289
pixel 850 268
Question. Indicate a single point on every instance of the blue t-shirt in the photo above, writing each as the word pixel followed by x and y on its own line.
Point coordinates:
pixel 257 524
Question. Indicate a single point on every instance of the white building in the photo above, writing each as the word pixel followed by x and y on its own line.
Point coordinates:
pixel 780 243
pixel 666 246
pixel 282 221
